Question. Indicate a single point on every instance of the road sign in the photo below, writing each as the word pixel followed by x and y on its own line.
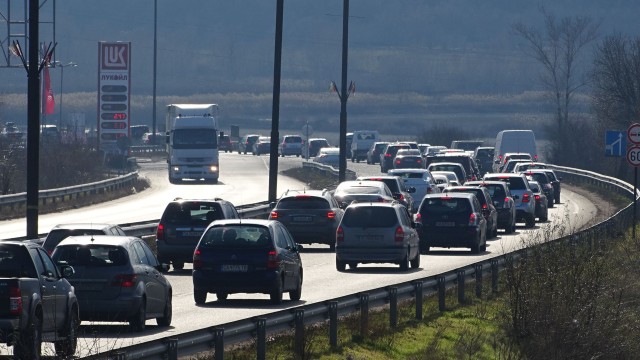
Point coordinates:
pixel 633 156
pixel 634 133
pixel 615 143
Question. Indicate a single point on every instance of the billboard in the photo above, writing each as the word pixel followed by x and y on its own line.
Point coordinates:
pixel 114 82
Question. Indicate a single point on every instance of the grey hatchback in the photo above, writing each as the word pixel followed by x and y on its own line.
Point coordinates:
pixel 311 216
pixel 377 233
pixel 117 278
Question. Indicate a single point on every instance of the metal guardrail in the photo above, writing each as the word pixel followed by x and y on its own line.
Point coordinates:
pixel 217 337
pixel 349 174
pixel 16 201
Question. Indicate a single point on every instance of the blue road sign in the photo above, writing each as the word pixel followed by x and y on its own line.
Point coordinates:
pixel 615 143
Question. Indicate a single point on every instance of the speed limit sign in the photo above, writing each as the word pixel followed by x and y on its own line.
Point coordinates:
pixel 633 156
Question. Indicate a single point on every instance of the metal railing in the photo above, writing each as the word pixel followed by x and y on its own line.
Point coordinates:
pixel 258 328
pixel 18 201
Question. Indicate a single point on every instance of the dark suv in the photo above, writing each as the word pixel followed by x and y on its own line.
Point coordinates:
pixel 389 153
pixel 181 225
pixel 451 220
pixel 486 202
pixel 311 216
pixel 469 164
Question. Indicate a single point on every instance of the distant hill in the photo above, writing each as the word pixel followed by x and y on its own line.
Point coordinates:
pixel 429 48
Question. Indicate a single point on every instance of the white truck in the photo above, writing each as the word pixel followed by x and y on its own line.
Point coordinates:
pixel 192 142
pixel 361 142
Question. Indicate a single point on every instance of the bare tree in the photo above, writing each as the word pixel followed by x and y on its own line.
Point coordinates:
pixel 557 48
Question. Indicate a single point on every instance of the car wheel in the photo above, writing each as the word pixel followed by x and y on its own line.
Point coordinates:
pixel 424 248
pixel 545 217
pixel 550 203
pixel 404 264
pixel 138 321
pixel 221 296
pixel 558 200
pixel 177 265
pixel 29 346
pixel 475 247
pixel 332 247
pixel 530 221
pixel 67 347
pixel 199 296
pixel 415 263
pixel 341 265
pixel 495 231
pixel 296 293
pixel 510 228
pixel 483 247
pixel 368 162
pixel 276 293
pixel 353 265
pixel 167 314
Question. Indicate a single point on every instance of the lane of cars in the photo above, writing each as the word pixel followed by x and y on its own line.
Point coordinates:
pixel 353 223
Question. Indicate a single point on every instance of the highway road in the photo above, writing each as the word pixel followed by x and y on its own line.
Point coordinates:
pixel 244 179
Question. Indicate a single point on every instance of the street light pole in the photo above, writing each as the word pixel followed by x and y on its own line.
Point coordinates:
pixel 62 66
pixel 155 63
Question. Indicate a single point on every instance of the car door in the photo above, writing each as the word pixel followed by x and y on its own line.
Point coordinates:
pixel 54 292
pixel 154 290
pixel 412 238
pixel 288 256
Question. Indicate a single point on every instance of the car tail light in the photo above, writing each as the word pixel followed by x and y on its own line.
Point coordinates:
pixel 472 219
pixel 484 206
pixel 125 280
pixel 273 215
pixel 331 215
pixel 401 197
pixel 418 218
pixel 197 259
pixel 537 197
pixel 419 161
pixel 160 232
pixel 15 300
pixel 429 190
pixel 506 201
pixel 340 234
pixel 398 162
pixel 526 198
pixel 273 262
pixel 535 157
pixel 399 236
pixel 387 155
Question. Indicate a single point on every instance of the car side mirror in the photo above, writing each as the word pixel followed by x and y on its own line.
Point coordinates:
pixel 272 205
pixel 67 271
pixel 163 268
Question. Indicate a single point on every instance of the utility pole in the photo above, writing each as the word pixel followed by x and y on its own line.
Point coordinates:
pixel 275 109
pixel 342 169
pixel 33 120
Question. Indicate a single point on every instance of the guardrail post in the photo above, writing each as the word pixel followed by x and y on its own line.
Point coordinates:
pixel 299 323
pixel 261 341
pixel 494 276
pixel 441 294
pixel 172 349
pixel 364 314
pixel 333 324
pixel 460 281
pixel 419 299
pixel 393 306
pixel 478 280
pixel 218 341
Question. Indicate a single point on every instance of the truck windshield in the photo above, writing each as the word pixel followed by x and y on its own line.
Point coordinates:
pixel 194 139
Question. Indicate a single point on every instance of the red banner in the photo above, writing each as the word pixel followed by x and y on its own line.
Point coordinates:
pixel 48 103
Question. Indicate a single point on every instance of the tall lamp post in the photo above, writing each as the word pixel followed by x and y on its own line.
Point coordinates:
pixel 62 66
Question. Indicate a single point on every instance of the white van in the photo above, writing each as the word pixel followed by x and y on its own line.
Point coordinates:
pixel 514 141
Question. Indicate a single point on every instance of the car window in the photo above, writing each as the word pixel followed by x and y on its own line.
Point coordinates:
pixel 142 256
pixel 50 268
pixel 236 236
pixel 302 202
pixel 192 212
pixel 153 261
pixel 369 216
pixel 405 219
pixel 496 191
pixel 91 256
pixel 446 205
pixel 14 262
pixel 57 235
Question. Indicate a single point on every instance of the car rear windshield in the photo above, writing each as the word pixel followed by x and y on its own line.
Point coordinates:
pixel 91 255
pixel 293 139
pixel 236 236
pixel 57 235
pixel 541 178
pixel 14 262
pixel 370 217
pixel 189 212
pixel 445 205
pixel 496 191
pixel 477 192
pixel 515 182
pixel 303 202
pixel 358 190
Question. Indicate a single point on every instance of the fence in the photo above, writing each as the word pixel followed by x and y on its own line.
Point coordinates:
pixel 258 328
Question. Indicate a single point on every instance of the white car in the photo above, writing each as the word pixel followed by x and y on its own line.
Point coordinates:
pixel 451 176
pixel 328 156
pixel 442 181
pixel 419 179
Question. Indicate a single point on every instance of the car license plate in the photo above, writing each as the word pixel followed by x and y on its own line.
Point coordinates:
pixel 235 268
pixel 370 237
pixel 445 223
pixel 302 218
pixel 191 233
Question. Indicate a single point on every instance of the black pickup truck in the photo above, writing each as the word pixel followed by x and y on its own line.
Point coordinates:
pixel 37 303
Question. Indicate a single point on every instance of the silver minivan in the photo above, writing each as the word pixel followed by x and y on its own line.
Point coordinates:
pixel 377 233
